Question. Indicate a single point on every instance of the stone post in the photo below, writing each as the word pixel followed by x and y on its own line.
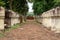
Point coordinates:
pixel 2 14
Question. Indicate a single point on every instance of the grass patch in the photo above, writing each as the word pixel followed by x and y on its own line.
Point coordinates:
pixel 2 35
pixel 13 27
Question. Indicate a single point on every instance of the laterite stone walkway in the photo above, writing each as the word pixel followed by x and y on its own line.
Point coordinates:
pixel 30 31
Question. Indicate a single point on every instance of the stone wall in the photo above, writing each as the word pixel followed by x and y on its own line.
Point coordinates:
pixel 2 14
pixel 14 17
pixel 51 19
pixel 8 18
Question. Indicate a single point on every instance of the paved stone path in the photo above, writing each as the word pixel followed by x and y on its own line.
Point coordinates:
pixel 30 31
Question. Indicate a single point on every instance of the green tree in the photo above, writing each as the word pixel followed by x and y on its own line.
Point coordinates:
pixel 57 2
pixel 41 6
pixel 30 1
pixel 19 6
pixel 2 3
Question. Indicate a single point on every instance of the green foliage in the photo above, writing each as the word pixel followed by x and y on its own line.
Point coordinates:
pixel 57 2
pixel 2 34
pixel 2 3
pixel 38 7
pixel 30 1
pixel 41 6
pixel 13 27
pixel 19 6
pixel 6 4
pixel 30 14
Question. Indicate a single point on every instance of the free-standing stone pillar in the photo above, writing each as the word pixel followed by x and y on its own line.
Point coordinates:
pixel 2 14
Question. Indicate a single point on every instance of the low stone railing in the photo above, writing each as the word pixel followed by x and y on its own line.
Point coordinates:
pixel 11 19
pixel 51 19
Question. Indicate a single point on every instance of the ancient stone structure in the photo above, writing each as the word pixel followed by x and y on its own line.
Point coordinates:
pixel 11 18
pixel 2 14
pixel 14 18
pixel 8 18
pixel 51 19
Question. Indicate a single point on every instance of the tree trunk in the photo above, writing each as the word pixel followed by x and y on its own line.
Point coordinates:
pixel 36 17
pixel 21 19
pixel 24 17
pixel 11 4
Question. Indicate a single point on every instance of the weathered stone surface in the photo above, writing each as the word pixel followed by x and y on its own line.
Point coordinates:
pixel 14 17
pixel 51 19
pixel 2 14
pixel 14 21
pixel 8 18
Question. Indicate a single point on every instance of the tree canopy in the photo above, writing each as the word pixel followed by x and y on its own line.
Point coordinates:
pixel 41 6
pixel 19 6
pixel 2 3
pixel 30 1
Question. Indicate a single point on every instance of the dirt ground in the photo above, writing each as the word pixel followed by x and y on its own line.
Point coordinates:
pixel 30 31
